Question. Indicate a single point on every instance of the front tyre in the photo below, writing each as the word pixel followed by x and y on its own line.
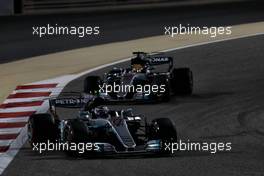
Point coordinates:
pixel 163 129
pixel 75 132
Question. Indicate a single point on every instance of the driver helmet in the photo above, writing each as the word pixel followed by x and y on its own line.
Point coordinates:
pixel 137 68
pixel 84 115
pixel 102 112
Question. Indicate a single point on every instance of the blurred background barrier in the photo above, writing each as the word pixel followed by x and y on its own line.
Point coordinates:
pixel 6 7
pixel 9 7
pixel 65 6
pixel 32 6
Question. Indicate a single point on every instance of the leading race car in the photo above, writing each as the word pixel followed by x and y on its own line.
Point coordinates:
pixel 108 131
pixel 142 81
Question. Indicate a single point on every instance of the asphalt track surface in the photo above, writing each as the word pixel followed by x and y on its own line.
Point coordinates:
pixel 17 41
pixel 227 106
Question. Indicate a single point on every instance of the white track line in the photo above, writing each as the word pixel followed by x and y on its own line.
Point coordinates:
pixel 9 130
pixel 6 142
pixel 20 109
pixel 16 119
pixel 211 42
pixel 36 90
pixel 17 100
pixel 168 50
pixel 15 145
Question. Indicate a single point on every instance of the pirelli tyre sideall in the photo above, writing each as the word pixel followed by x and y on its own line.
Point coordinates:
pixel 182 81
pixel 41 128
pixel 91 84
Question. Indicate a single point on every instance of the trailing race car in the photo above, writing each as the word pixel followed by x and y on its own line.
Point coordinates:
pixel 142 81
pixel 109 131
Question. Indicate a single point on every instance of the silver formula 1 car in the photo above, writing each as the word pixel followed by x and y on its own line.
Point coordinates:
pixel 110 131
pixel 145 80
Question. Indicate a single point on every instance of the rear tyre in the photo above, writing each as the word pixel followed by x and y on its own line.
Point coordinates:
pixel 91 84
pixel 162 81
pixel 41 128
pixel 182 81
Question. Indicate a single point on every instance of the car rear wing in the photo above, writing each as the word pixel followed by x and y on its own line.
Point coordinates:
pixel 155 60
pixel 78 101
pixel 54 103
pixel 68 102
pixel 160 60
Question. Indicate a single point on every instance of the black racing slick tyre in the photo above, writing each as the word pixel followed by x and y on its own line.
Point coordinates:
pixel 41 128
pixel 161 81
pixel 91 84
pixel 182 81
pixel 75 132
pixel 164 130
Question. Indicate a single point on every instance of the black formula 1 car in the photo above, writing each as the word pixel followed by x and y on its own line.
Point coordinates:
pixel 144 80
pixel 108 131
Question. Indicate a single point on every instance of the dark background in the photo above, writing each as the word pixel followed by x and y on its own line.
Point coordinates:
pixel 17 41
